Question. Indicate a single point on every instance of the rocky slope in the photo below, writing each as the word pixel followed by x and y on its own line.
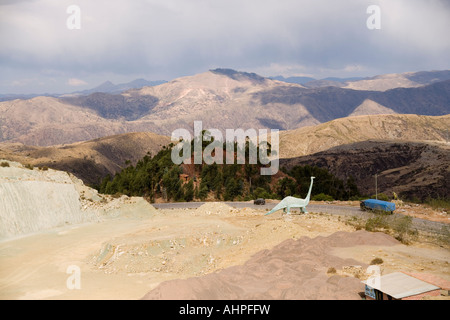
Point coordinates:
pixel 410 169
pixel 36 200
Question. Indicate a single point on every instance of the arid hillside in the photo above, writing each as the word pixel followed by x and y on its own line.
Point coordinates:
pixel 94 159
pixel 410 169
pixel 309 140
pixel 90 160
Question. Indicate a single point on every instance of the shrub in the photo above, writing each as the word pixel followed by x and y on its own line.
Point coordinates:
pixel 381 196
pixel 399 228
pixel 403 224
pixel 402 228
pixel 331 270
pixel 29 166
pixel 4 164
pixel 356 222
pixel 262 193
pixel 439 204
pixel 376 261
pixel 322 197
pixel 376 223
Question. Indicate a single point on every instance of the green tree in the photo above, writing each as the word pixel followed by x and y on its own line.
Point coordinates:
pixel 203 192
pixel 189 191
pixel 172 183
pixel 286 187
pixel 231 189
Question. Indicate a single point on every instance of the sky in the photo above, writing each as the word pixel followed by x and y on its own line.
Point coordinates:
pixel 46 47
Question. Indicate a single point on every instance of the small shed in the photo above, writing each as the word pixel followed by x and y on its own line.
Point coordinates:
pixel 398 286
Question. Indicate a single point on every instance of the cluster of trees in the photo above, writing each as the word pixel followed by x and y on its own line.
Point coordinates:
pixel 158 176
pixel 144 179
pixel 326 185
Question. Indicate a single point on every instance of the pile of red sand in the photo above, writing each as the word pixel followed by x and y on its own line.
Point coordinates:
pixel 292 270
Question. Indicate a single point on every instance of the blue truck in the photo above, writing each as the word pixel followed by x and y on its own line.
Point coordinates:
pixel 378 206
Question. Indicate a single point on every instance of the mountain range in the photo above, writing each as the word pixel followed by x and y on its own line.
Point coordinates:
pixel 377 83
pixel 221 98
pixel 109 87
pixel 105 87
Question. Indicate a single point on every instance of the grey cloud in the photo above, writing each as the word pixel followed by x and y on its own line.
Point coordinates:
pixel 169 38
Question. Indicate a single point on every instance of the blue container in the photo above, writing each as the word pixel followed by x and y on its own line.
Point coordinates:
pixel 380 205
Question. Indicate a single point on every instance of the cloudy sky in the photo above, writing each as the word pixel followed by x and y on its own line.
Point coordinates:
pixel 122 40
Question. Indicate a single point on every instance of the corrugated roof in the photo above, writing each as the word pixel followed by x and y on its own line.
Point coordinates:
pixel 400 285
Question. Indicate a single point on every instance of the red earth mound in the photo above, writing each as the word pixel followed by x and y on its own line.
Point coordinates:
pixel 293 270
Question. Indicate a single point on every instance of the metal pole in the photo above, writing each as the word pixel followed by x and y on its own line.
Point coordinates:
pixel 376 187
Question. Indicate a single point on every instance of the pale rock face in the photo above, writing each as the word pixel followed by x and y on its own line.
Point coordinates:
pixel 35 200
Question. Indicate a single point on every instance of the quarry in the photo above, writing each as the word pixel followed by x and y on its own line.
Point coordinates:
pixel 124 248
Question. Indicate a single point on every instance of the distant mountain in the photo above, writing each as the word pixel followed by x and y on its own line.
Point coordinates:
pixel 377 83
pixel 298 80
pixel 328 103
pixel 239 75
pixel 109 87
pixel 106 87
pixel 317 83
pixel 399 80
pixel 13 96
pixel 220 98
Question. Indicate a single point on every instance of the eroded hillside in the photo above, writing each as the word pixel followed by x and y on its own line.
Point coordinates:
pixel 410 169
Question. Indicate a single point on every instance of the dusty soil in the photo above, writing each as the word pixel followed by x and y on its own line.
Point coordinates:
pixel 130 253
